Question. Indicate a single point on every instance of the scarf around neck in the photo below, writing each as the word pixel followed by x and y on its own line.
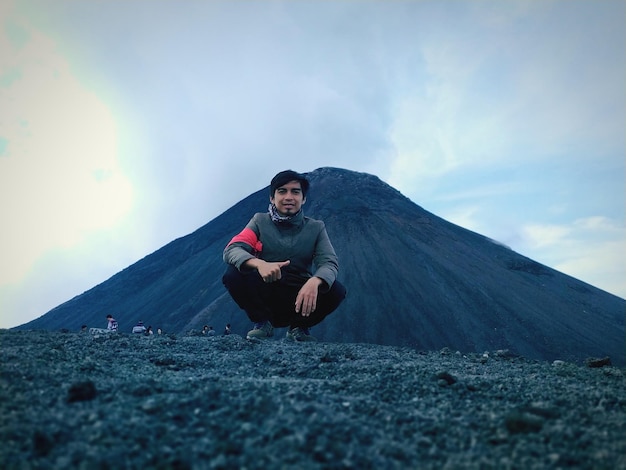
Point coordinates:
pixel 281 219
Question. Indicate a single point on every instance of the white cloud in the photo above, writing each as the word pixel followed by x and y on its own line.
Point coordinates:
pixel 465 216
pixel 59 175
pixel 592 249
pixel 512 84
pixel 542 236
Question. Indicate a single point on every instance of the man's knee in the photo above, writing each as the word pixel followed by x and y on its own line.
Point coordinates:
pixel 338 292
pixel 333 298
pixel 231 277
pixel 241 283
pixel 234 279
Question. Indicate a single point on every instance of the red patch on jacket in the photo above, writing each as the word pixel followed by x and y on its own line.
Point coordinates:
pixel 248 237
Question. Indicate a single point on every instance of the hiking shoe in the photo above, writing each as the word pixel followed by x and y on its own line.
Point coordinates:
pixel 299 334
pixel 261 330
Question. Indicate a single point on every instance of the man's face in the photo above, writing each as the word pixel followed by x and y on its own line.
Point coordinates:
pixel 288 198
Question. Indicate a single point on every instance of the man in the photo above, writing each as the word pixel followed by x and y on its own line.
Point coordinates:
pixel 111 323
pixel 270 273
pixel 139 328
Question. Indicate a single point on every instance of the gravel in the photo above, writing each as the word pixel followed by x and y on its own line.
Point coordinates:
pixel 77 400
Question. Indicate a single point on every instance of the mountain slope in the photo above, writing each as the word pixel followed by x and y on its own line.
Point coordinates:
pixel 413 279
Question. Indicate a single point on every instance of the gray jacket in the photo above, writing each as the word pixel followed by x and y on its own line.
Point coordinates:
pixel 303 241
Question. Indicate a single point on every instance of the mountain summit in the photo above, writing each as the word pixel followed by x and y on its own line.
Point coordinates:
pixel 413 279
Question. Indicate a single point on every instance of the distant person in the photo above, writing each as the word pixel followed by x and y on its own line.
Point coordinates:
pixel 83 329
pixel 227 329
pixel 111 323
pixel 208 330
pixel 270 271
pixel 139 328
pixel 149 331
pixel 159 331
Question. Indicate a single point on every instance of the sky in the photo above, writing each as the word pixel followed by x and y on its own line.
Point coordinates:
pixel 126 125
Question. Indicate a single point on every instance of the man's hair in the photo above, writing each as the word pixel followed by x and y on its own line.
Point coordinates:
pixel 285 177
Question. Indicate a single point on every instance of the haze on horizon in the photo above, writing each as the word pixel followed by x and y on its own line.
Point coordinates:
pixel 122 129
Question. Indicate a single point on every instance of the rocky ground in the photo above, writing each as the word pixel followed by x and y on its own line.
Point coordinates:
pixel 74 400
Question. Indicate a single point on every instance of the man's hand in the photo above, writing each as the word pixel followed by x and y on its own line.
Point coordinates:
pixel 306 300
pixel 270 272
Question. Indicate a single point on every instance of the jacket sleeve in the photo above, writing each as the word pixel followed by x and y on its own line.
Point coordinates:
pixel 243 246
pixel 325 259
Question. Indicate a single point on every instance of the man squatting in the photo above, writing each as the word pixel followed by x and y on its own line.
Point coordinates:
pixel 270 271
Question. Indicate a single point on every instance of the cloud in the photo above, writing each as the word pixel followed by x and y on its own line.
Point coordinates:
pixel 542 236
pixel 61 273
pixel 601 265
pixel 511 85
pixel 591 248
pixel 59 173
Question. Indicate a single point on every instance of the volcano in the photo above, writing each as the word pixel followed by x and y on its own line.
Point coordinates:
pixel 413 279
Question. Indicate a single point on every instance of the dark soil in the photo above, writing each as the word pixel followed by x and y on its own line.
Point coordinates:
pixel 71 400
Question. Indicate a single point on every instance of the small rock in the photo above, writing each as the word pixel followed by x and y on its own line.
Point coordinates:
pixel 151 406
pixel 163 361
pixel 328 357
pixel 595 362
pixel 141 390
pixel 542 410
pixel 445 378
pixel 82 391
pixel 523 422
pixel 504 353
pixel 42 444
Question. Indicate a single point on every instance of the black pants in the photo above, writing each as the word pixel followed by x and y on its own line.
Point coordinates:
pixel 275 301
